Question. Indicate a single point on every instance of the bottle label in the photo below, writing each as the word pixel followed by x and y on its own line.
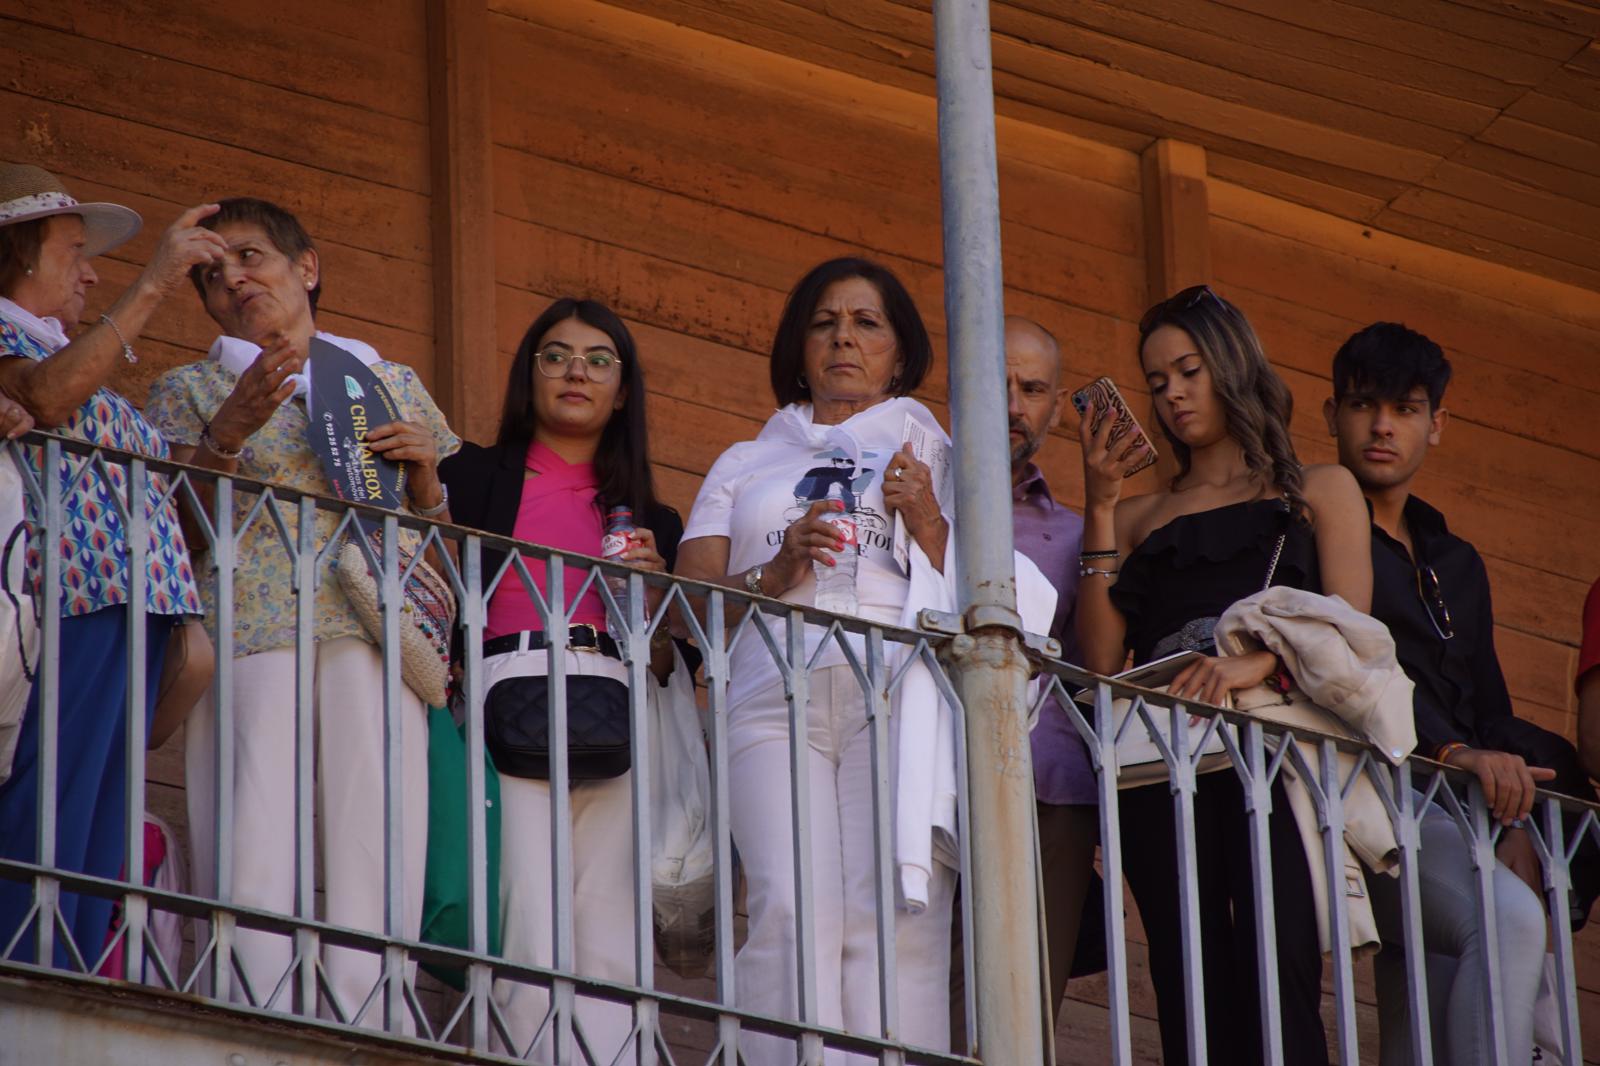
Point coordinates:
pixel 845 526
pixel 613 545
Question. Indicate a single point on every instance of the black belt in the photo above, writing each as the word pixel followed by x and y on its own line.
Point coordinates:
pixel 582 637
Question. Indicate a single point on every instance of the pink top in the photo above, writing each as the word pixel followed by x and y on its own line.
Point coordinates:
pixel 558 509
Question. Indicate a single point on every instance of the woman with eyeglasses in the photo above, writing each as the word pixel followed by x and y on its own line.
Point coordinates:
pixel 1159 570
pixel 572 446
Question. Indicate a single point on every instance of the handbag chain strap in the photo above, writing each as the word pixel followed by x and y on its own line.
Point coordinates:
pixel 1272 567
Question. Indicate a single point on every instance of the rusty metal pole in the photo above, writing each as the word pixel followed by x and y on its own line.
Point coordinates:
pixel 988 667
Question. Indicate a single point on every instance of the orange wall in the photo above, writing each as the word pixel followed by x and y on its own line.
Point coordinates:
pixel 322 107
pixel 690 180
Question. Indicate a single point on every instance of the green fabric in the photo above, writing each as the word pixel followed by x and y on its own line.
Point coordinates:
pixel 445 883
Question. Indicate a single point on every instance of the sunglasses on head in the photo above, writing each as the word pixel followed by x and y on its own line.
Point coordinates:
pixel 1183 300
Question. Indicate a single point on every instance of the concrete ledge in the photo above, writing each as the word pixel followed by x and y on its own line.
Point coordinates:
pixel 54 1020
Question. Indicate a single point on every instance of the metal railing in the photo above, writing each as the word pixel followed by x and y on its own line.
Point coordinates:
pixel 309 530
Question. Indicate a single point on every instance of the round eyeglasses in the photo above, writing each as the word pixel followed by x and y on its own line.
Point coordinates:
pixel 599 367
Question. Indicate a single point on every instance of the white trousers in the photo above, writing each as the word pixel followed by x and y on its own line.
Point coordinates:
pixel 602 887
pixel 349 751
pixel 842 870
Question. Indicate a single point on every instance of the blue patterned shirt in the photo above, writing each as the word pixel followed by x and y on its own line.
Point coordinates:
pixel 94 543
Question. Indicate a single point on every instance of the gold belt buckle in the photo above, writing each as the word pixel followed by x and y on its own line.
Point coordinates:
pixel 594 634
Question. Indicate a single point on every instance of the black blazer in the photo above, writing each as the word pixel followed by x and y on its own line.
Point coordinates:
pixel 485 487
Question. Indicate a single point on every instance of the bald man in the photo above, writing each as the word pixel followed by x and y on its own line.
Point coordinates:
pixel 1051 536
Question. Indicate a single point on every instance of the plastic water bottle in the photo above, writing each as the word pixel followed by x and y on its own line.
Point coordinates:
pixel 836 585
pixel 617 539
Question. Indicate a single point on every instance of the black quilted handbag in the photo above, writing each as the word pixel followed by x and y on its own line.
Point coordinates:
pixel 516 727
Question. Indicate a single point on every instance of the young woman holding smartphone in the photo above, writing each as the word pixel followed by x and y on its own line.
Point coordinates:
pixel 1240 508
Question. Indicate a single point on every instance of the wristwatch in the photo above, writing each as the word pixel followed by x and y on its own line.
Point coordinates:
pixel 752 580
pixel 437 509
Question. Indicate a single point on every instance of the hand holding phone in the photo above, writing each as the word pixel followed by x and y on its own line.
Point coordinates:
pixel 1100 398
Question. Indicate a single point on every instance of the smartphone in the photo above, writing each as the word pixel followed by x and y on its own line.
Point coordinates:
pixel 1100 396
pixel 1158 673
pixel 1161 672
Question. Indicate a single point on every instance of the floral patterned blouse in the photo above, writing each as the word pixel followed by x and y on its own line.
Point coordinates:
pixel 94 545
pixel 184 400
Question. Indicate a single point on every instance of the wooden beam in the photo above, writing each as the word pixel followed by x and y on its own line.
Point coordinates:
pixel 1177 217
pixel 463 215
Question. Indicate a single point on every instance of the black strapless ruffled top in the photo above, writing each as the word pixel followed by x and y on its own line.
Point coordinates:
pixel 1198 565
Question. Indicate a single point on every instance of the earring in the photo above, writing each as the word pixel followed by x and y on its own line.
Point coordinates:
pixel 28 272
pixel 894 383
pixel 310 285
pixel 800 379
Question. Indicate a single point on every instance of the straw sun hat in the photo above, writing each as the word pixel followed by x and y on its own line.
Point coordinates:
pixel 28 192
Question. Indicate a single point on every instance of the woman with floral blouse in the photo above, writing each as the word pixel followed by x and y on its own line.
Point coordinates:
pixel 241 411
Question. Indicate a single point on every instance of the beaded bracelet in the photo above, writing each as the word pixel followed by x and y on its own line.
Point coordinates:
pixel 1084 557
pixel 1089 571
pixel 1280 680
pixel 213 447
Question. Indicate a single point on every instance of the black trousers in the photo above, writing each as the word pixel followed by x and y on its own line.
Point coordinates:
pixel 1227 922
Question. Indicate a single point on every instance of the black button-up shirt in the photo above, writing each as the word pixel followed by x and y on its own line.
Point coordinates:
pixel 1460 692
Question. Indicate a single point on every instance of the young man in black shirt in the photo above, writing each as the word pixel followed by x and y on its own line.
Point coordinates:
pixel 1431 589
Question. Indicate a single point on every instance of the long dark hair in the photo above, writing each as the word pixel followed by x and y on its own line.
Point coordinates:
pixel 1255 401
pixel 789 342
pixel 622 459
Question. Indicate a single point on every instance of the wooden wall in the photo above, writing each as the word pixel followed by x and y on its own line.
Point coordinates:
pixel 691 182
pixel 321 107
pixel 1518 471
pixel 689 179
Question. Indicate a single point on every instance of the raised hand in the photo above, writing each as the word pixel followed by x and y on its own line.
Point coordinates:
pixel 260 391
pixel 184 245
pixel 1107 459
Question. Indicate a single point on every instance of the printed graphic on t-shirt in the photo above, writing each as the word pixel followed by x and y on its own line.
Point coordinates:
pixel 836 475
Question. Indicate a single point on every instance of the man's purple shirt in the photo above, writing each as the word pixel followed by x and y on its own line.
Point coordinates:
pixel 1052 536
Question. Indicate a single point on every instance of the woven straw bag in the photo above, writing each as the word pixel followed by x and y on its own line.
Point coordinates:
pixel 427 615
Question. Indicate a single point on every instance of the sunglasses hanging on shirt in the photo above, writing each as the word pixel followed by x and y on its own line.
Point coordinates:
pixel 1433 601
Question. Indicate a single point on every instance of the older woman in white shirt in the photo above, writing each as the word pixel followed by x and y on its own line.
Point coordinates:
pixel 848 351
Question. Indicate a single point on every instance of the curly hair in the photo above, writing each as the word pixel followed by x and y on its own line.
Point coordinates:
pixel 1255 402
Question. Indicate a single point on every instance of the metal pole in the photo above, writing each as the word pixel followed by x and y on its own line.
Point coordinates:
pixel 988 667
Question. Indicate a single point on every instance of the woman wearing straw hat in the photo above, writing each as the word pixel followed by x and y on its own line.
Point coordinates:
pixel 46 241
